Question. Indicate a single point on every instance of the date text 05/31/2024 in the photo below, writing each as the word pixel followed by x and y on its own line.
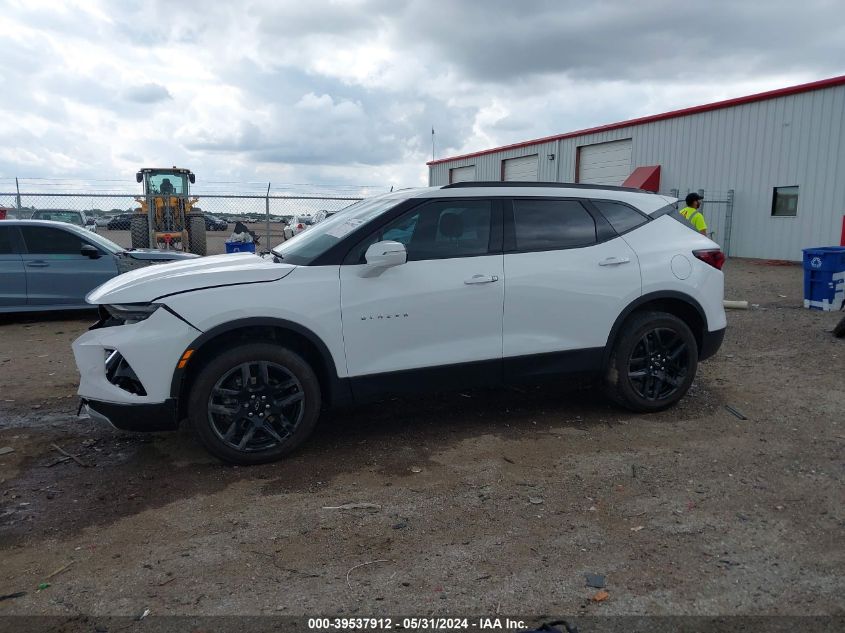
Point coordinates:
pixel 429 623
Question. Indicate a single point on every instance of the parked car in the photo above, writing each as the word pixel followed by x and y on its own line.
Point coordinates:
pixel 435 288
pixel 46 265
pixel 103 221
pixel 213 223
pixel 71 216
pixel 120 222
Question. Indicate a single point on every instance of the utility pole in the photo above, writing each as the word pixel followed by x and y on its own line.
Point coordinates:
pixel 18 188
pixel 432 142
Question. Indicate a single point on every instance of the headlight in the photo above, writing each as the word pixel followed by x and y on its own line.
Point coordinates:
pixel 132 312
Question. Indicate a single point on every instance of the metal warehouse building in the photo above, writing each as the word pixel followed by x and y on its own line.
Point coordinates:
pixel 771 165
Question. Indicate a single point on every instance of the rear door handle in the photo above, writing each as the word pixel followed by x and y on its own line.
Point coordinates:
pixel 39 263
pixel 614 261
pixel 481 279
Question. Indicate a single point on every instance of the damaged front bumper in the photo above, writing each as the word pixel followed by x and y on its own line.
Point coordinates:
pixel 134 417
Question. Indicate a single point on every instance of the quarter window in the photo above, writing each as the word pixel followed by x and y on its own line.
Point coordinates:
pixel 49 241
pixel 785 202
pixel 545 225
pixel 621 217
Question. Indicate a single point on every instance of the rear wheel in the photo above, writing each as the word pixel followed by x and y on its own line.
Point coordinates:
pixel 196 234
pixel 140 227
pixel 653 362
pixel 254 403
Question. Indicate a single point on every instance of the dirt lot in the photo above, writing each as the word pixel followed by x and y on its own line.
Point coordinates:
pixel 487 502
pixel 215 240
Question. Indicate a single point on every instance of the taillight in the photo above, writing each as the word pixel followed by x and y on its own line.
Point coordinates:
pixel 300 226
pixel 713 256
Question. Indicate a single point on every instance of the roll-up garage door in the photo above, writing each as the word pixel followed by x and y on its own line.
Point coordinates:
pixel 605 163
pixel 523 168
pixel 462 174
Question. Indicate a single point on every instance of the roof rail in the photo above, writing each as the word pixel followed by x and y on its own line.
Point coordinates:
pixel 562 185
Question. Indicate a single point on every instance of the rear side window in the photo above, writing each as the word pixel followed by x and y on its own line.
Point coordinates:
pixel 545 225
pixel 7 247
pixel 42 240
pixel 621 217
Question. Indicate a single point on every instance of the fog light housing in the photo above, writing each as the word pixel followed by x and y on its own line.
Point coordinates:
pixel 120 374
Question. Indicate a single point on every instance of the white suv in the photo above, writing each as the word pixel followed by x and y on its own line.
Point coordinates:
pixel 469 284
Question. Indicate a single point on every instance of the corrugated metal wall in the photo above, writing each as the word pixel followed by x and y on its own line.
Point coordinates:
pixel 750 148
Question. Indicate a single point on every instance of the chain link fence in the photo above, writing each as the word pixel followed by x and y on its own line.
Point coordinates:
pixel 718 209
pixel 266 215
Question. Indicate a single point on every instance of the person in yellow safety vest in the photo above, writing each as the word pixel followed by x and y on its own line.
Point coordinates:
pixel 693 213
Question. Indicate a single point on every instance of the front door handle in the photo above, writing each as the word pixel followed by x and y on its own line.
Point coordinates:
pixel 39 263
pixel 614 261
pixel 481 279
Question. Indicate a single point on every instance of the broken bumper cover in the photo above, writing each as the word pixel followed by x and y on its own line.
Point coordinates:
pixel 135 417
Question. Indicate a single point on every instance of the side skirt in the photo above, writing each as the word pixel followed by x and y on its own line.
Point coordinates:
pixel 535 368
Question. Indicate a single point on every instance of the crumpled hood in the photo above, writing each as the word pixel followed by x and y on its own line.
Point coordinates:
pixel 150 283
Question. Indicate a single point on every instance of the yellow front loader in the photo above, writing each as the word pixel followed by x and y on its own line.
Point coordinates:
pixel 168 217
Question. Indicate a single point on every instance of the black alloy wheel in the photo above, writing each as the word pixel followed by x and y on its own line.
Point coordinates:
pixel 254 403
pixel 256 406
pixel 658 364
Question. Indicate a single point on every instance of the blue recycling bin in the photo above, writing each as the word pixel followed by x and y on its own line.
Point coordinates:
pixel 240 247
pixel 824 278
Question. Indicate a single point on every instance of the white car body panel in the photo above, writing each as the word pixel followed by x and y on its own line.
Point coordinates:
pixel 147 284
pixel 564 300
pixel 657 243
pixel 308 296
pixel 422 314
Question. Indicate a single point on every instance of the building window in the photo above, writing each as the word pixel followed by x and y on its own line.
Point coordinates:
pixel 785 202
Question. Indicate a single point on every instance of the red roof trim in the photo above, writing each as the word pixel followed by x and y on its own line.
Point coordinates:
pixel 761 96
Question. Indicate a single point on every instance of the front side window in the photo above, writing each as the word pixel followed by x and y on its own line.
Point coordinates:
pixel 545 225
pixel 41 240
pixel 785 202
pixel 438 230
pixel 621 217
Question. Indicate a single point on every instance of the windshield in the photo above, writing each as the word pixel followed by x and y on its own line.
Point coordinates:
pixel 305 247
pixel 174 184
pixel 99 240
pixel 57 215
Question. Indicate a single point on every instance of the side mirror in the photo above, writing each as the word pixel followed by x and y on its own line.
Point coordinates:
pixel 386 254
pixel 192 178
pixel 90 251
pixel 139 177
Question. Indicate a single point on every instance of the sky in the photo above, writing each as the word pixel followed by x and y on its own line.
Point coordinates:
pixel 346 92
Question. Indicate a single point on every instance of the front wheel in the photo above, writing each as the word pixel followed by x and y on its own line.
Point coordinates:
pixel 254 403
pixel 653 362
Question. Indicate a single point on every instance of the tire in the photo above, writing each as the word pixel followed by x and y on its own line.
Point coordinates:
pixel 839 330
pixel 196 234
pixel 644 382
pixel 140 227
pixel 292 411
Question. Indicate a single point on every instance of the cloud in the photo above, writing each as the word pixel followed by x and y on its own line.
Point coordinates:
pixel 148 93
pixel 347 91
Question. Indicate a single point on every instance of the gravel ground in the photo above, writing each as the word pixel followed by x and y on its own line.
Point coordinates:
pixel 485 501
